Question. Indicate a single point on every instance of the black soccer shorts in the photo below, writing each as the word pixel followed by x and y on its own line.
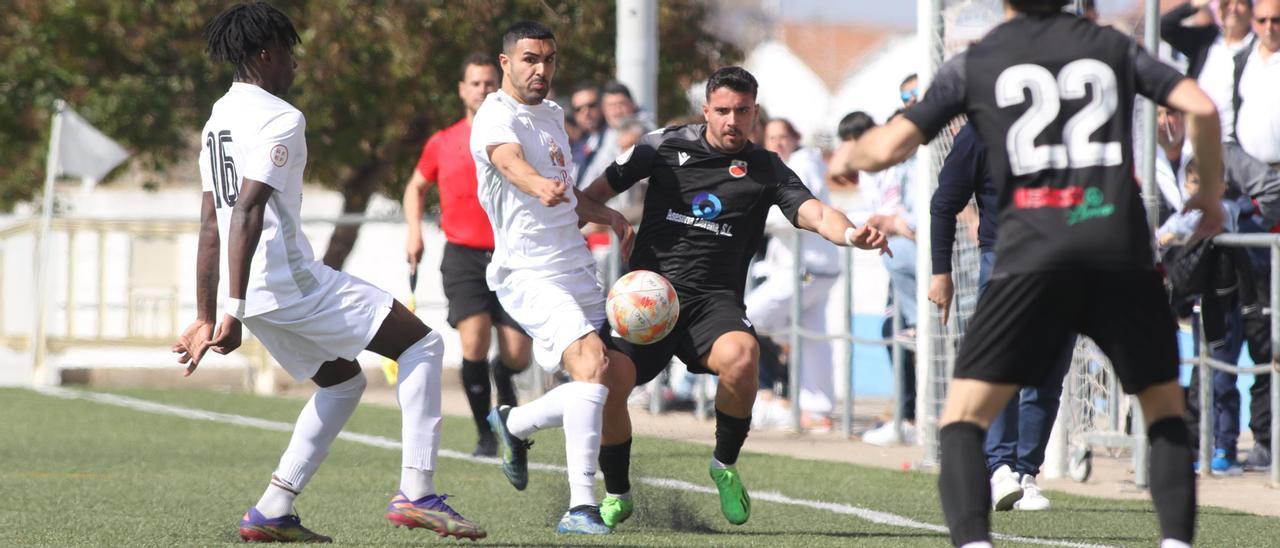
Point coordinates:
pixel 1022 320
pixel 462 273
pixel 703 319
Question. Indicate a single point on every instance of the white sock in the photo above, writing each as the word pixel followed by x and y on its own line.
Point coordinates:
pixel 418 392
pixel 318 425
pixel 979 544
pixel 1173 543
pixel 416 483
pixel 540 414
pixel 583 420
pixel 715 463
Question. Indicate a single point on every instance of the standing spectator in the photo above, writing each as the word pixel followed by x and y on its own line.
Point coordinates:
pixel 769 304
pixel 894 215
pixel 1209 49
pixel 1257 129
pixel 585 102
pixel 474 309
pixel 618 107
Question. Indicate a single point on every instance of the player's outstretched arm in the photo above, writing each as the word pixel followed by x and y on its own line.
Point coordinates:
pixel 1205 132
pixel 207 267
pixel 509 159
pixel 414 194
pixel 593 211
pixel 881 147
pixel 600 190
pixel 833 225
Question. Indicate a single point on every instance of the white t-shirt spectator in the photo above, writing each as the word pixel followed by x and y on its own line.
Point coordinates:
pixel 1217 77
pixel 1258 127
pixel 819 255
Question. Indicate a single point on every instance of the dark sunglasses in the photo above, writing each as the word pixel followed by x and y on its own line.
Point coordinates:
pixel 1275 20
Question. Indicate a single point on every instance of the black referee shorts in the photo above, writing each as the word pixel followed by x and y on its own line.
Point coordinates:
pixel 1022 320
pixel 703 319
pixel 462 275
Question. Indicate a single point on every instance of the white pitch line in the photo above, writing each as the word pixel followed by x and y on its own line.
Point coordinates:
pixel 866 514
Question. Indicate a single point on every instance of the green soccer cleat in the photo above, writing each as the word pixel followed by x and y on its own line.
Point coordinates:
pixel 615 510
pixel 735 503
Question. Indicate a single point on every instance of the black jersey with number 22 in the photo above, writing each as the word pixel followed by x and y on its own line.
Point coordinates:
pixel 1052 97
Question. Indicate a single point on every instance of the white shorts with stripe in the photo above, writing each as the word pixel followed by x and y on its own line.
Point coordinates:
pixel 336 318
pixel 554 308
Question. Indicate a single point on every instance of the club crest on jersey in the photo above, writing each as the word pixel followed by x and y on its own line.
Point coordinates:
pixel 557 155
pixel 738 168
pixel 279 155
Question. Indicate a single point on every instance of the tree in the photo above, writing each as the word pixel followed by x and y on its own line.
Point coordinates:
pixel 375 78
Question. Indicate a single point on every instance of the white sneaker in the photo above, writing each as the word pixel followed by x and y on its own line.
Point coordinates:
pixel 1032 499
pixel 766 415
pixel 1005 489
pixel 885 436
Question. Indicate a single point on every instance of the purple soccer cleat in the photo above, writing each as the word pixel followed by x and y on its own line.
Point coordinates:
pixel 254 527
pixel 431 512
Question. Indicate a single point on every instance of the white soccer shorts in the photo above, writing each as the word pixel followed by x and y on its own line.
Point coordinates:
pixel 554 308
pixel 337 320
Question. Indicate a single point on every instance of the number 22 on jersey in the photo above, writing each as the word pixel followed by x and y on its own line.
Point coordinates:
pixel 226 182
pixel 1046 93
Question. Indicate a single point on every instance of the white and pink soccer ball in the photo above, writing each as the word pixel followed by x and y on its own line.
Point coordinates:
pixel 642 307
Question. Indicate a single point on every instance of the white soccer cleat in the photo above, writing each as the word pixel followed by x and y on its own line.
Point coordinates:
pixel 1032 499
pixel 1005 489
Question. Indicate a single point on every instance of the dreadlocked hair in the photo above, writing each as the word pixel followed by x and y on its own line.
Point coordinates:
pixel 243 30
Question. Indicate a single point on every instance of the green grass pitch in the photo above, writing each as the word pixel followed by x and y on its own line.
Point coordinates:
pixel 75 472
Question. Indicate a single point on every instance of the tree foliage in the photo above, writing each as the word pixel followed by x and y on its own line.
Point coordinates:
pixel 375 77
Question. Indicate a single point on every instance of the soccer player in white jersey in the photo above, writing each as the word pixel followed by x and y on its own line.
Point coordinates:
pixel 311 318
pixel 543 273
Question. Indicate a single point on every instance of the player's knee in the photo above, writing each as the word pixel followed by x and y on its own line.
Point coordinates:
pixel 589 362
pixel 620 374
pixel 738 362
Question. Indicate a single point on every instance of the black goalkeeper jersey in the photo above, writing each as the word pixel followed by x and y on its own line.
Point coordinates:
pixel 1052 97
pixel 704 213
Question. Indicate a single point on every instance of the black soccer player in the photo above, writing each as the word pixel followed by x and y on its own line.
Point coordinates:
pixel 710 189
pixel 1074 250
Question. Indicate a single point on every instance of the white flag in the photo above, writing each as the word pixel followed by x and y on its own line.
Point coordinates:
pixel 85 152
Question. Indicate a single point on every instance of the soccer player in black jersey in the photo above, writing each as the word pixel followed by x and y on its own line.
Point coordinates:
pixel 710 189
pixel 1052 96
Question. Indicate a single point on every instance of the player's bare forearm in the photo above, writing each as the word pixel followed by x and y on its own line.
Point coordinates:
pixel 1204 130
pixel 823 219
pixel 508 158
pixel 245 231
pixel 207 262
pixel 600 190
pixel 878 148
pixel 414 194
pixel 591 210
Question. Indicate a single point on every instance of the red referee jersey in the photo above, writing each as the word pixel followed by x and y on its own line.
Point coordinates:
pixel 446 161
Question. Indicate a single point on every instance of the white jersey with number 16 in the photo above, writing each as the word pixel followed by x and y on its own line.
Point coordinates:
pixel 255 135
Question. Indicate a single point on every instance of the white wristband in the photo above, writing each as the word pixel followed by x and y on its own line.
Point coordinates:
pixel 235 307
pixel 848 235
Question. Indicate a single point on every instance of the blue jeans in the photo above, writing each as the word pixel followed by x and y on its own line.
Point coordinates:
pixel 902 276
pixel 1019 434
pixel 1226 397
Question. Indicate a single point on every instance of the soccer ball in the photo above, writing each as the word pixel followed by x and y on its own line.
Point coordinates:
pixel 642 307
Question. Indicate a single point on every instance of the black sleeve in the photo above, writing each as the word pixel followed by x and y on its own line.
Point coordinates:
pixel 1191 41
pixel 944 100
pixel 1155 80
pixel 789 191
pixel 961 173
pixel 634 164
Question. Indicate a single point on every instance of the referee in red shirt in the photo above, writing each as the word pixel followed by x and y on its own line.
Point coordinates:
pixel 473 308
